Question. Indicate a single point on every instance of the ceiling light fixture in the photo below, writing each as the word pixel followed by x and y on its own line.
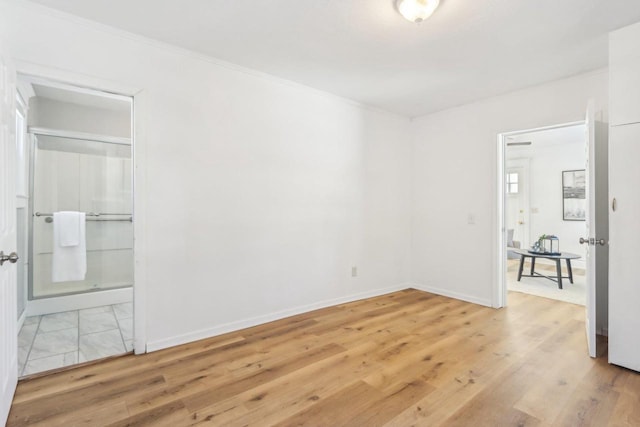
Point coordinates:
pixel 417 10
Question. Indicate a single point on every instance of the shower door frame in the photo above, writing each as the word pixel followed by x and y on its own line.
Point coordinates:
pixel 139 97
pixel 33 132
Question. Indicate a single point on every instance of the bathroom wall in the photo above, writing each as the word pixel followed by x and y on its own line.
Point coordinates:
pixel 56 114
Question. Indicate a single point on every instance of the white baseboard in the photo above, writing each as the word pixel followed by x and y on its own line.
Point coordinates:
pixel 450 294
pixel 258 320
pixel 79 301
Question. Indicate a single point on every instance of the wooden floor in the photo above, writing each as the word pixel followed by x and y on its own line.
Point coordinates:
pixel 403 359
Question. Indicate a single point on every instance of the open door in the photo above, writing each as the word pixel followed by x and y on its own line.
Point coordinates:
pixel 597 222
pixel 8 241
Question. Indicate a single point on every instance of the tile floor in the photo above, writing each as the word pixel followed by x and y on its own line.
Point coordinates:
pixel 61 339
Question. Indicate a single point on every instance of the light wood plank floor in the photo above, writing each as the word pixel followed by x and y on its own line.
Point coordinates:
pixel 403 359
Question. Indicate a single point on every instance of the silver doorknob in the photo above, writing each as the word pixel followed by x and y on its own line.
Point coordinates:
pixel 12 258
pixel 591 241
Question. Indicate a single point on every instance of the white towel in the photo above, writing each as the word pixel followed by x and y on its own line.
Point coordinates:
pixel 69 247
pixel 67 225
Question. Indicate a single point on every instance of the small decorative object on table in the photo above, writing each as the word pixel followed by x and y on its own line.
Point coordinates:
pixel 547 244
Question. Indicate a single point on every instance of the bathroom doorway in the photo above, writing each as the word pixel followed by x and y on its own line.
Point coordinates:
pixel 75 224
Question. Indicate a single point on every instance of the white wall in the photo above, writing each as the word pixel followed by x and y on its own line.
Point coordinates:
pixel 260 194
pixel 49 113
pixel 455 176
pixel 547 160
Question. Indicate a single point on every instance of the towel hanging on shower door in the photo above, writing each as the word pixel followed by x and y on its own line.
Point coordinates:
pixel 69 262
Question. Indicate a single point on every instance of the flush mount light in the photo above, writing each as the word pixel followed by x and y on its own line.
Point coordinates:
pixel 417 10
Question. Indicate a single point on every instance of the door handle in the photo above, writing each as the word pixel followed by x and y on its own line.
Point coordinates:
pixel 12 258
pixel 592 241
pixel 614 204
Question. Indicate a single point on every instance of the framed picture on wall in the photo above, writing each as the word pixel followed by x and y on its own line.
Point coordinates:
pixel 574 201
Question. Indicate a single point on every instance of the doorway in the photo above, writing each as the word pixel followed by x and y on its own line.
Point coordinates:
pixel 534 166
pixel 77 147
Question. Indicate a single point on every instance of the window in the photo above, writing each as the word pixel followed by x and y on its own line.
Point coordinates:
pixel 512 183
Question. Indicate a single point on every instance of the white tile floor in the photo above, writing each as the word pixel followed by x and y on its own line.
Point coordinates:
pixel 62 339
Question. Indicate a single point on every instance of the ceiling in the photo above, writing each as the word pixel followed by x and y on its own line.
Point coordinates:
pixel 365 51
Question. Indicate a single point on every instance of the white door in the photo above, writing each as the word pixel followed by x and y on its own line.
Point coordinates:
pixel 624 205
pixel 8 242
pixel 597 224
pixel 517 200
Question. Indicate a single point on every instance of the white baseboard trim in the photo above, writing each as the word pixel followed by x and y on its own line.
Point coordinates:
pixel 258 320
pixel 450 294
pixel 78 302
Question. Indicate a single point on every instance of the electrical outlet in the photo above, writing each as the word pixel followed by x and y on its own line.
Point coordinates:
pixel 354 271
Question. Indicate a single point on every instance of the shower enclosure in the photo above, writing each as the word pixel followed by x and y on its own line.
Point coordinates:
pixel 87 173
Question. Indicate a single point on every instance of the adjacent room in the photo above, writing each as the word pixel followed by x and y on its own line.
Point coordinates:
pixel 321 213
pixel 545 196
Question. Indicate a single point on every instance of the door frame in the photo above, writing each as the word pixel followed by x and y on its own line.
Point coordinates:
pixel 139 146
pixel 499 294
pixel 22 202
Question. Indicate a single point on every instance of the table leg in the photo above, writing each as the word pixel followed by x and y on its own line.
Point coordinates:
pixel 559 273
pixel 569 270
pixel 521 266
pixel 533 264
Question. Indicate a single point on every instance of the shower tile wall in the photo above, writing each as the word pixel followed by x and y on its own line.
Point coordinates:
pixel 84 182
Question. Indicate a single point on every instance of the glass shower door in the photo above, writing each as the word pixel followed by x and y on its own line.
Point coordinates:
pixel 87 176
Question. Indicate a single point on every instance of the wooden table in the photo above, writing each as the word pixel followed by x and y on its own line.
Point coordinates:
pixel 557 258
